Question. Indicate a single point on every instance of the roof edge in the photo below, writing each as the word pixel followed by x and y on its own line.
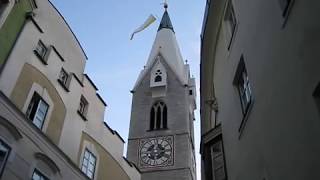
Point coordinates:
pixel 81 47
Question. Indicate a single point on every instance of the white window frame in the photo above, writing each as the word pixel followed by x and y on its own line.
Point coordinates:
pixel 37 117
pixel 89 160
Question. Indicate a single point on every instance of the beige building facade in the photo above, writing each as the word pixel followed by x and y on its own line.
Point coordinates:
pixel 260 91
pixel 51 116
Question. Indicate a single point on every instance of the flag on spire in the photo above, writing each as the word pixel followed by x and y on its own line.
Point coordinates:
pixel 147 23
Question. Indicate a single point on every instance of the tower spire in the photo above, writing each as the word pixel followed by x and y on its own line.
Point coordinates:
pixel 165 21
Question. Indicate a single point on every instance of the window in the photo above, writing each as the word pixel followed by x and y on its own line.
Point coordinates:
pixel 243 85
pixel 64 79
pixel 285 6
pixel 37 110
pixel 88 164
pixel 37 175
pixel 215 162
pixel 41 51
pixel 83 107
pixel 230 23
pixel 158 77
pixel 158 116
pixel 190 92
pixel 4 154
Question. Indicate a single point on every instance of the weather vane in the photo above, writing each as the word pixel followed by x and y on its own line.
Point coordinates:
pixel 165 4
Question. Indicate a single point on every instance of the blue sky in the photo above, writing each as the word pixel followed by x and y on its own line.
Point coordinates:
pixel 103 28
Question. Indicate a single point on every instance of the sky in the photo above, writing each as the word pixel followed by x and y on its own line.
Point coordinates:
pixel 103 28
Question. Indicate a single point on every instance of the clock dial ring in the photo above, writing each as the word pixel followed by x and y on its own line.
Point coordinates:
pixel 155 152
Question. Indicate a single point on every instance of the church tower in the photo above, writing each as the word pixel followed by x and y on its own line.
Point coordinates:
pixel 161 139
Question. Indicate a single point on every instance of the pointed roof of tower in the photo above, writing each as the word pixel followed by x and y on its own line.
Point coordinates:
pixel 165 22
pixel 166 45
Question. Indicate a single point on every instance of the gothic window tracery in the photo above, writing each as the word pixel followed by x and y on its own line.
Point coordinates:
pixel 158 77
pixel 158 116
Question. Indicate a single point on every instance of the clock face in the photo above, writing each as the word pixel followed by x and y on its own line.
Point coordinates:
pixel 156 152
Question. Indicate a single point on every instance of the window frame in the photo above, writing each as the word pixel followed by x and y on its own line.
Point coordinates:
pixel 210 156
pixel 39 101
pixel 83 111
pixel 2 167
pixel 247 87
pixel 39 173
pixel 64 83
pixel 88 161
pixel 156 124
pixel 231 24
pixel 42 57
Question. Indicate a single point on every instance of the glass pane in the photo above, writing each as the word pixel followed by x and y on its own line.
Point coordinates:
pixel 43 107
pixel 86 154
pixel 37 123
pixel 92 159
pixel 84 169
pixel 91 167
pixel 85 162
pixel 40 114
pixel 89 174
pixel 35 176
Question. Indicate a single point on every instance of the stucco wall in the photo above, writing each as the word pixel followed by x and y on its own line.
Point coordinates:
pixel 108 167
pixel 279 139
pixel 28 76
pixel 22 160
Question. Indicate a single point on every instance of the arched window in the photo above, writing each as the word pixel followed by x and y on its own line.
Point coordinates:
pixel 158 116
pixel 158 78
